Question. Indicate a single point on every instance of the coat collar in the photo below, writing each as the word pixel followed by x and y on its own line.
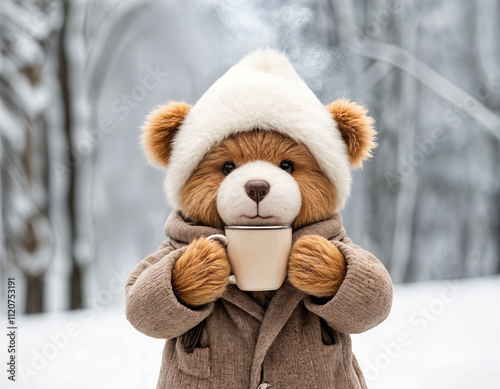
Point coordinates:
pixel 184 231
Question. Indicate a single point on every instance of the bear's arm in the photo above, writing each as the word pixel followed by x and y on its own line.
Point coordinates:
pixel 364 298
pixel 151 305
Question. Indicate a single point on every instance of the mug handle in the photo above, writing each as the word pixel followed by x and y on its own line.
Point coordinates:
pixel 224 240
pixel 221 238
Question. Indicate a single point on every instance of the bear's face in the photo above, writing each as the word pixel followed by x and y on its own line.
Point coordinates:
pixel 258 178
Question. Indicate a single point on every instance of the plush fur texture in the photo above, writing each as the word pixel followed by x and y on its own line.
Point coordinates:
pixel 356 129
pixel 159 130
pixel 261 91
pixel 199 195
pixel 201 274
pixel 316 266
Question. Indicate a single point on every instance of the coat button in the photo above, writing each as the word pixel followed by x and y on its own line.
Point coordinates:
pixel 264 385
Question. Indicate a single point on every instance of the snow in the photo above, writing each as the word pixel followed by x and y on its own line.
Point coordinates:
pixel 439 335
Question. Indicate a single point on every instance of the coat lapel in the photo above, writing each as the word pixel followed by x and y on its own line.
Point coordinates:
pixel 243 301
pixel 279 311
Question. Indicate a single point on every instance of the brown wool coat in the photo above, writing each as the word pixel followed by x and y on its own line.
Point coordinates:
pixel 242 346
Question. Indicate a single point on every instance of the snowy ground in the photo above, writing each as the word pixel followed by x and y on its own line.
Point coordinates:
pixel 439 335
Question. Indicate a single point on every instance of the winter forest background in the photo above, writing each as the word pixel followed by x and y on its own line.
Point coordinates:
pixel 80 206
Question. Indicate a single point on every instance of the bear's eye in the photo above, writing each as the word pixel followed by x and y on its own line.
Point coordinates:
pixel 287 166
pixel 228 167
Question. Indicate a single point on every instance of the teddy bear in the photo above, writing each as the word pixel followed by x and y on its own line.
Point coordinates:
pixel 258 148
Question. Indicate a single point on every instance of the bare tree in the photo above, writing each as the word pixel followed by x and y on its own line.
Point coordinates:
pixel 28 31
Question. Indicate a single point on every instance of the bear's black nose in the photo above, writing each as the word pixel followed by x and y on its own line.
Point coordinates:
pixel 257 189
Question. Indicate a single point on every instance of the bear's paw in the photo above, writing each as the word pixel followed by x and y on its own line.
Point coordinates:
pixel 316 266
pixel 201 274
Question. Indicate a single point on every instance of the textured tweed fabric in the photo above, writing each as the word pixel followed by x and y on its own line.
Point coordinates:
pixel 298 342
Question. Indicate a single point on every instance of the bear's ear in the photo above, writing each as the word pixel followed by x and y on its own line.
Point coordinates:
pixel 159 131
pixel 356 129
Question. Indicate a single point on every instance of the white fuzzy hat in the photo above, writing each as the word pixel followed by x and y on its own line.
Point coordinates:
pixel 264 92
pixel 261 91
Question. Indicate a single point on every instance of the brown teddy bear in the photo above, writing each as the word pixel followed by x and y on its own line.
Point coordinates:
pixel 258 148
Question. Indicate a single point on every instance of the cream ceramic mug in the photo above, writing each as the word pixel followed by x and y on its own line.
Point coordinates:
pixel 258 255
